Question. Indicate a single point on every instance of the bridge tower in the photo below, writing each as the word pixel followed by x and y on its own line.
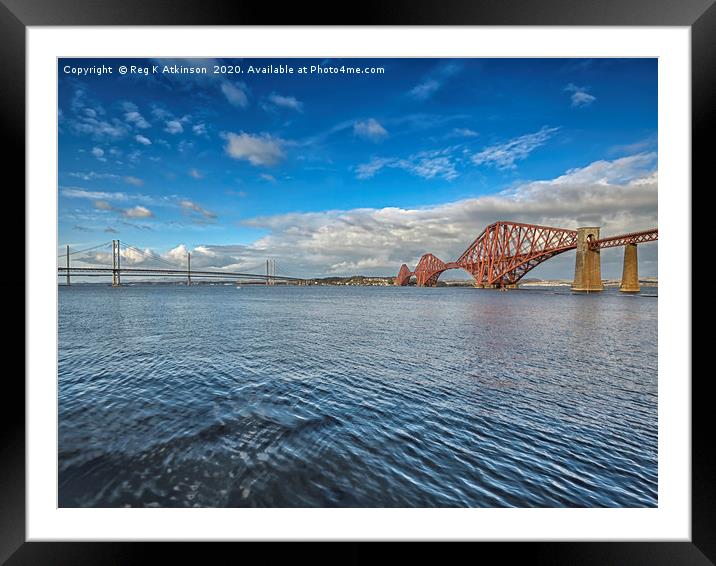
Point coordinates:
pixel 270 271
pixel 588 265
pixel 630 272
pixel 116 282
pixel 68 265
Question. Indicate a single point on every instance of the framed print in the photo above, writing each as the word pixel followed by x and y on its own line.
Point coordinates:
pixel 394 279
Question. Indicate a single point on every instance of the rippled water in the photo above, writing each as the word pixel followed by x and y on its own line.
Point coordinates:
pixel 356 396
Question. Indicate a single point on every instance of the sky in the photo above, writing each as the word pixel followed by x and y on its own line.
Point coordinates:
pixel 331 172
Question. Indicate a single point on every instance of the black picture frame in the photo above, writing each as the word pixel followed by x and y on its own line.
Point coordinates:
pixel 17 15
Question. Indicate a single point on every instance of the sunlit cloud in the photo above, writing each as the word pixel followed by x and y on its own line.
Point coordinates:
pixel 262 149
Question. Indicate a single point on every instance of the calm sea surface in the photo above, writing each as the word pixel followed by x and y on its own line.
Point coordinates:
pixel 213 396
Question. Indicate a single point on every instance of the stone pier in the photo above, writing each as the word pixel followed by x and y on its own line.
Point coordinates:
pixel 630 274
pixel 588 266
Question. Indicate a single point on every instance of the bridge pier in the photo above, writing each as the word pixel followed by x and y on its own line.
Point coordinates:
pixel 630 273
pixel 116 281
pixel 588 266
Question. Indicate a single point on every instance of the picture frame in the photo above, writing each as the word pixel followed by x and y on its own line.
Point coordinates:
pixel 700 16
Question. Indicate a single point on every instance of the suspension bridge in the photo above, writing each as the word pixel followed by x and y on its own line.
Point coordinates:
pixel 119 260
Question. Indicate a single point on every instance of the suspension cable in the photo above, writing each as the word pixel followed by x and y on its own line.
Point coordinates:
pixel 87 249
pixel 151 255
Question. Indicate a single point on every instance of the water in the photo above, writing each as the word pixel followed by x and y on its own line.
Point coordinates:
pixel 356 396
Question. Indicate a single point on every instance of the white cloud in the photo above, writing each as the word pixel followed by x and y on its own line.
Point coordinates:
pixel 173 127
pixel 634 169
pixel 138 212
pixel 463 132
pixel 74 192
pixel 178 254
pixel 195 173
pixel 135 256
pixel 103 205
pixel 87 118
pixel 434 82
pixel 184 145
pixel 135 118
pixel 102 200
pixel 160 113
pixel 370 130
pixel 143 140
pixel 135 181
pixel 258 150
pixel 290 102
pixel 267 177
pixel 580 97
pixel 426 164
pixel 432 167
pixel 199 129
pixel 93 175
pixel 235 93
pixel 368 170
pixel 504 155
pixel 425 90
pixel 190 206
pixel 98 152
pixel 99 129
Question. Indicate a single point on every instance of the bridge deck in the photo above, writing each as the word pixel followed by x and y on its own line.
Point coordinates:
pixel 625 239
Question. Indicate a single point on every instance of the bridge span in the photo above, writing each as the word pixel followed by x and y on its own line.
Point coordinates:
pixel 505 251
pixel 115 268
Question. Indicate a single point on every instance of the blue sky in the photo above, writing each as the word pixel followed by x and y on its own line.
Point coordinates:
pixel 338 173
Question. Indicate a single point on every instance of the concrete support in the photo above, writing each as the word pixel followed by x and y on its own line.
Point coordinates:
pixel 630 274
pixel 588 266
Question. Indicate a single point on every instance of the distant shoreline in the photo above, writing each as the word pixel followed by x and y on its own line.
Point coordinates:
pixel 361 281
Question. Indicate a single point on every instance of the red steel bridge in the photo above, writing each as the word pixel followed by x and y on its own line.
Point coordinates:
pixel 505 251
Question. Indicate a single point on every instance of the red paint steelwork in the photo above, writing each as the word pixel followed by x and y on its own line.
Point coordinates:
pixel 505 251
pixel 429 269
pixel 404 276
pixel 625 239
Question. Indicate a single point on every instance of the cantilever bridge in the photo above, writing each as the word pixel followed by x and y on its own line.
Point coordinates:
pixel 505 251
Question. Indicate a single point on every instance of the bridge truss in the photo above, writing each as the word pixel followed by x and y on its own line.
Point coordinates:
pixel 625 239
pixel 505 251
